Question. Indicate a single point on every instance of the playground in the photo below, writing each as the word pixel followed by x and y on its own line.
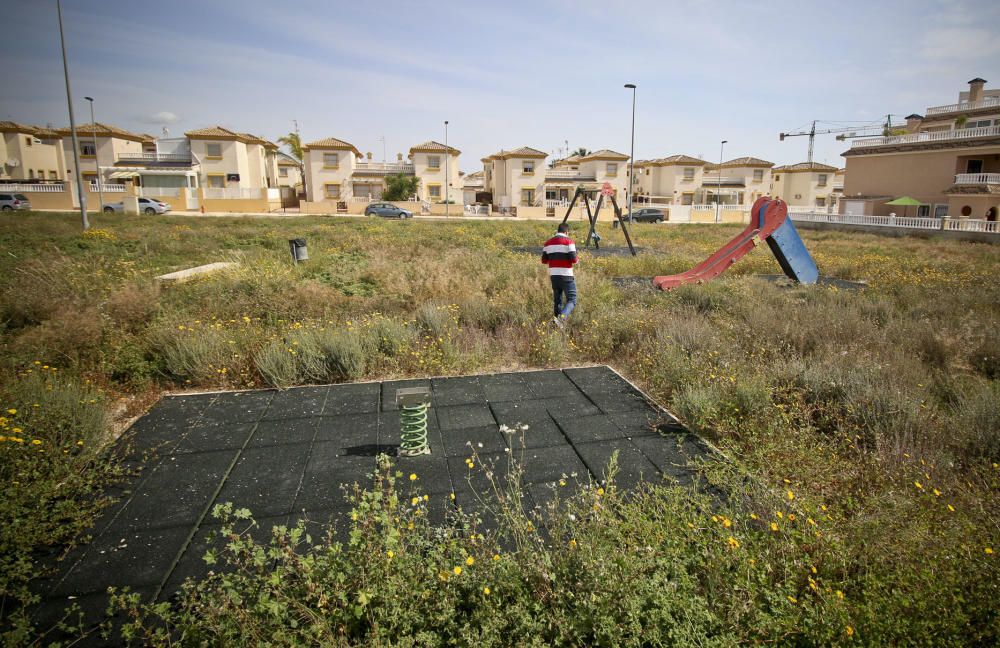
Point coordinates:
pixel 860 424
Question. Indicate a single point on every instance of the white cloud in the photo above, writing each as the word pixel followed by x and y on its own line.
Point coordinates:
pixel 162 117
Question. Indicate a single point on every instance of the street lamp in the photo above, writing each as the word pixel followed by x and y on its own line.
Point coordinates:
pixel 447 178
pixel 72 125
pixel 97 161
pixel 718 190
pixel 631 157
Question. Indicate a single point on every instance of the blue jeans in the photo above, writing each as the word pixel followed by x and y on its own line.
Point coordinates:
pixel 563 286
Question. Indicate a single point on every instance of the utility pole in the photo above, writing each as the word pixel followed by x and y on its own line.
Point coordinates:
pixel 72 125
pixel 97 160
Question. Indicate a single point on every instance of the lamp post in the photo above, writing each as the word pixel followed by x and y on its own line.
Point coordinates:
pixel 447 178
pixel 97 161
pixel 718 190
pixel 72 125
pixel 631 157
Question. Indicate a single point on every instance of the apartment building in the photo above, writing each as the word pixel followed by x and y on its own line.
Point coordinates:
pixel 948 159
pixel 515 177
pixel 233 160
pixel 808 184
pixel 30 153
pixel 673 180
pixel 739 181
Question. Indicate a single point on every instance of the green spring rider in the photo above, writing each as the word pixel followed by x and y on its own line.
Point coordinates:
pixel 413 404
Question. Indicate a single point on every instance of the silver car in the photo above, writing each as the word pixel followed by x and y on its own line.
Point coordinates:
pixel 146 206
pixel 11 202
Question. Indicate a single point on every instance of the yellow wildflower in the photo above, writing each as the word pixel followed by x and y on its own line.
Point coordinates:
pixel 496 557
pixel 470 561
pixel 792 599
pixel 774 526
pixel 415 501
pixel 850 631
pixel 12 411
pixel 840 594
pixel 413 476
pixel 600 491
pixel 988 551
pixel 951 508
pixel 486 591
pixel 390 554
pixel 791 495
pixel 457 571
pixel 733 542
pixel 36 442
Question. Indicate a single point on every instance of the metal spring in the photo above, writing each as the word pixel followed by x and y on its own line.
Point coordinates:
pixel 413 430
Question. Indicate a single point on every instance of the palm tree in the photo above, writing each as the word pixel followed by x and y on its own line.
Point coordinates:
pixel 582 152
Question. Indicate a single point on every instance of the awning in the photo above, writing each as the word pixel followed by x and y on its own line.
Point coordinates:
pixel 121 175
pixel 134 171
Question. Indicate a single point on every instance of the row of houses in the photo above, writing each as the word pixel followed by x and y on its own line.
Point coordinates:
pixel 947 159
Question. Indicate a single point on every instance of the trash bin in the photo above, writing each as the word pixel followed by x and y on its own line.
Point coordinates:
pixel 298 249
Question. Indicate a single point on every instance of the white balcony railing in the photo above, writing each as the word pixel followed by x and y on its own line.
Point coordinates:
pixel 977 178
pixel 183 158
pixel 231 193
pixel 557 203
pixel 986 102
pixel 17 187
pixel 928 136
pixel 107 188
pixel 476 210
pixel 558 174
pixel 907 222
pixel 384 167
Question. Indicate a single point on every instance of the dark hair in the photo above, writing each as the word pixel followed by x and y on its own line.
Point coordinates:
pixel 563 228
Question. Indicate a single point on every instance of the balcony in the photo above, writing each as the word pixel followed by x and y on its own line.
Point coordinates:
pixel 986 102
pixel 146 158
pixel 928 136
pixel 569 174
pixel 383 168
pixel 977 178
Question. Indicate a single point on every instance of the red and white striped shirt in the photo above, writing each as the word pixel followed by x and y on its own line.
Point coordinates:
pixel 559 253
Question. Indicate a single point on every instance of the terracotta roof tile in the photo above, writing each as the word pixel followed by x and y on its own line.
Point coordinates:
pixel 434 146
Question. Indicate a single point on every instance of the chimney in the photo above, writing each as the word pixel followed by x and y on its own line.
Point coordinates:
pixel 369 155
pixel 399 157
pixel 976 89
pixel 913 122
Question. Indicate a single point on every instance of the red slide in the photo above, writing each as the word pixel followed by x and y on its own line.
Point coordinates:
pixel 775 213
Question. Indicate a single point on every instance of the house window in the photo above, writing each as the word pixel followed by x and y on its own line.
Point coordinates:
pixel 758 175
pixel 777 178
pixel 434 191
pixel 821 202
pixel 89 178
pixel 923 211
pixel 433 162
pixel 528 167
pixel 821 182
pixel 974 166
pixel 31 174
pixel 689 174
pixel 550 194
pixel 283 172
pixel 28 141
pixel 331 191
pixel 940 211
pixel 692 174
pixel 687 199
pixel 527 197
pixel 612 168
pixel 216 180
pixel 88 149
pixel 331 160
pixel 213 151
pixel 53 175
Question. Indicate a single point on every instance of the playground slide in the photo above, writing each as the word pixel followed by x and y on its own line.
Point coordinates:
pixel 768 221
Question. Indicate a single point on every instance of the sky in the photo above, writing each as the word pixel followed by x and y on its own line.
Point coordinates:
pixel 504 74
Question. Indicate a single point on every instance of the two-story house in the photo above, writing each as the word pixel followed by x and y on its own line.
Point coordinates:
pixel 516 177
pixel 437 167
pixel 101 146
pixel 739 181
pixel 233 160
pixel 30 153
pixel 673 180
pixel 289 170
pixel 948 159
pixel 329 167
pixel 807 184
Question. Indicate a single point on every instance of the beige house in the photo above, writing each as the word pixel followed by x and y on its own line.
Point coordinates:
pixel 30 153
pixel 673 180
pixel 329 167
pixel 431 161
pixel 948 159
pixel 740 181
pixel 808 184
pixel 101 147
pixel 233 160
pixel 473 184
pixel 515 178
pixel 590 171
pixel 289 170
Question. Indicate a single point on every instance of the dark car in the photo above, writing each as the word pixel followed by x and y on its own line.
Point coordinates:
pixel 10 202
pixel 649 215
pixel 387 210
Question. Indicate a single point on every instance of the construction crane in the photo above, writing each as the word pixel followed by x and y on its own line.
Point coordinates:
pixel 867 129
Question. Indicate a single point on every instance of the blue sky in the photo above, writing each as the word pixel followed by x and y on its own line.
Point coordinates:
pixel 504 74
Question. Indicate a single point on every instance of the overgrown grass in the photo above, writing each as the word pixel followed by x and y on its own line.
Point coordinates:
pixel 877 408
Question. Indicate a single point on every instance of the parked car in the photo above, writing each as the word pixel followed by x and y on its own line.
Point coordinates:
pixel 10 202
pixel 387 210
pixel 649 215
pixel 146 206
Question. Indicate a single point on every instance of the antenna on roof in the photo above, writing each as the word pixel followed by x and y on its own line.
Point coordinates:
pixel 165 131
